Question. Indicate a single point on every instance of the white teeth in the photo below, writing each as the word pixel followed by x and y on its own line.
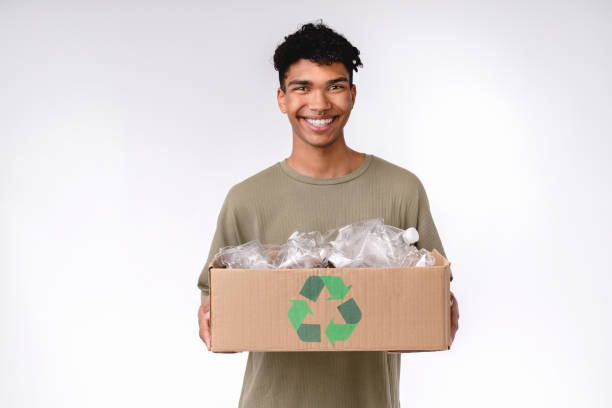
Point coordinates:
pixel 319 122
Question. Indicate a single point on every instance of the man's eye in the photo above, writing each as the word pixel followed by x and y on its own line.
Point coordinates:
pixel 333 87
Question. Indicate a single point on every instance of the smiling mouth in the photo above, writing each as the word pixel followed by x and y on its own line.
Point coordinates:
pixel 319 125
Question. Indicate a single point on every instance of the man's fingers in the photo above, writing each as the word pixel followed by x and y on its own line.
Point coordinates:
pixel 207 329
pixel 454 316
pixel 204 323
pixel 454 304
pixel 200 313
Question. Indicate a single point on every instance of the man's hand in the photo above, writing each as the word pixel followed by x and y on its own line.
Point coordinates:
pixel 454 316
pixel 204 322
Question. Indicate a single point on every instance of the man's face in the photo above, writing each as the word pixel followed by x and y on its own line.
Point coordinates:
pixel 316 94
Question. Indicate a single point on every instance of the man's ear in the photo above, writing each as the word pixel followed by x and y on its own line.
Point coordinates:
pixel 280 98
pixel 353 93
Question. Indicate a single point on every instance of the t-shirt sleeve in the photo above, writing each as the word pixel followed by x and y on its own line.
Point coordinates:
pixel 428 233
pixel 225 235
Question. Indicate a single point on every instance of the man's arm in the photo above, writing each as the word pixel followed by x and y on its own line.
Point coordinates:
pixel 430 239
pixel 226 234
pixel 428 233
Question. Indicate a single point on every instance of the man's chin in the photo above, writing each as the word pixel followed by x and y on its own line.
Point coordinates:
pixel 320 142
pixel 322 145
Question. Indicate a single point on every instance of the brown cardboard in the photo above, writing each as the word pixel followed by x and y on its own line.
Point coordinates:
pixel 397 309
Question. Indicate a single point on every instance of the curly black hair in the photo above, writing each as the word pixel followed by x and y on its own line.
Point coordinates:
pixel 317 43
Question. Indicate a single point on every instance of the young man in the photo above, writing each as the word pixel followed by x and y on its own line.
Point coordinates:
pixel 323 184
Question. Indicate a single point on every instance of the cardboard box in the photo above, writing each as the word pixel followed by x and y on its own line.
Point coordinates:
pixel 397 309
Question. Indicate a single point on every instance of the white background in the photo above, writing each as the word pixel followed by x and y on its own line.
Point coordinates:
pixel 124 124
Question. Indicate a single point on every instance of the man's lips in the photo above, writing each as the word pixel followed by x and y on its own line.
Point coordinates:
pixel 318 129
pixel 319 117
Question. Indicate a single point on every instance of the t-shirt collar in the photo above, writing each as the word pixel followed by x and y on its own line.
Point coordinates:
pixel 326 180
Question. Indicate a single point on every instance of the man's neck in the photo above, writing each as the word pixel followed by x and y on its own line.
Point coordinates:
pixel 325 163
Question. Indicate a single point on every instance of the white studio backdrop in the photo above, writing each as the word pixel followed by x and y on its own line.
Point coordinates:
pixel 124 124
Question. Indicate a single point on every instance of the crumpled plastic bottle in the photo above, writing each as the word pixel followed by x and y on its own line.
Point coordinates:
pixel 367 243
pixel 250 255
pixel 371 243
pixel 302 250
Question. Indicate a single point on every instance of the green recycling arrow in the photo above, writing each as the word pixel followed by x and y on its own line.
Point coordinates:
pixel 311 290
pixel 350 311
pixel 336 287
pixel 338 332
pixel 297 313
pixel 334 284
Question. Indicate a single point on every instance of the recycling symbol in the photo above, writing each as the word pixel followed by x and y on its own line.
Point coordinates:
pixel 311 290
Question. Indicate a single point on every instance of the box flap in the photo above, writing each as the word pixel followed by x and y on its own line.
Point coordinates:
pixel 442 261
pixel 214 264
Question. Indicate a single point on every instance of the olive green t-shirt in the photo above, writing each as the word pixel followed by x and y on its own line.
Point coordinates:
pixel 274 203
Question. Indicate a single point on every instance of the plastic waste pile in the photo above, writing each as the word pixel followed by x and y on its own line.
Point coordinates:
pixel 367 243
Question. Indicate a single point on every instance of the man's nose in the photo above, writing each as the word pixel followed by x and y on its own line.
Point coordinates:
pixel 319 101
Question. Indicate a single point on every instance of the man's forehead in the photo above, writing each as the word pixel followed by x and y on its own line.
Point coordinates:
pixel 307 70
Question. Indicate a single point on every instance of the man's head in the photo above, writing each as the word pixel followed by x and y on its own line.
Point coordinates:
pixel 315 66
pixel 317 43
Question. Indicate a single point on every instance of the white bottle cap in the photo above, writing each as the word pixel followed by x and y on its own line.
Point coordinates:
pixel 410 236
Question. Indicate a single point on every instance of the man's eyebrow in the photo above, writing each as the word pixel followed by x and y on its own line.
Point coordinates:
pixel 330 82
